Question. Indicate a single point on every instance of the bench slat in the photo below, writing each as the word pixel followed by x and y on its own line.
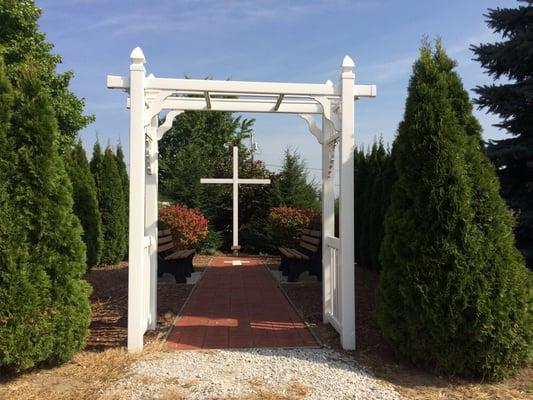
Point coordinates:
pixel 164 232
pixel 309 247
pixel 301 255
pixel 163 240
pixel 165 247
pixel 179 254
pixel 311 232
pixel 290 253
pixel 311 240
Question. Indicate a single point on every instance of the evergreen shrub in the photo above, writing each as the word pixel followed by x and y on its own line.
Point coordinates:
pixel 111 203
pixel 454 292
pixel 45 310
pixel 85 202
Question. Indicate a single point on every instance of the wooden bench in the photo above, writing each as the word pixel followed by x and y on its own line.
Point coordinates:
pixel 173 261
pixel 308 256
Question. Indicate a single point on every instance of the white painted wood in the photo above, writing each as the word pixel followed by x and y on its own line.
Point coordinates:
pixel 313 128
pixel 150 221
pixel 167 124
pixel 346 205
pixel 136 319
pixel 333 242
pixel 216 180
pixel 235 246
pixel 242 87
pixel 328 222
pixel 235 181
pixel 244 105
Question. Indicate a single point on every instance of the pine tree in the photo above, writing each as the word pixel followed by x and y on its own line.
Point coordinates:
pixel 454 292
pixel 111 203
pixel 125 180
pixel 291 187
pixel 41 195
pixel 85 202
pixel 512 58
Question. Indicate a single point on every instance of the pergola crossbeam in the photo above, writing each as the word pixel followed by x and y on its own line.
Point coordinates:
pixel 236 88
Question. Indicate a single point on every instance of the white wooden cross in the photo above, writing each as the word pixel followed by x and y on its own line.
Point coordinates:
pixel 236 181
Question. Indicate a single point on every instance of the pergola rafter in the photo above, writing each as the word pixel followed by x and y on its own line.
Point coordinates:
pixel 148 96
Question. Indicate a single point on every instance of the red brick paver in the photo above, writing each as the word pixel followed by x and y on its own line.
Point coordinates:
pixel 238 307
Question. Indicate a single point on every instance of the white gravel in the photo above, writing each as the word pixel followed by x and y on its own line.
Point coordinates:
pixel 251 374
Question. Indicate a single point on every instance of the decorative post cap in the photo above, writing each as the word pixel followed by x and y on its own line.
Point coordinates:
pixel 329 83
pixel 347 63
pixel 137 56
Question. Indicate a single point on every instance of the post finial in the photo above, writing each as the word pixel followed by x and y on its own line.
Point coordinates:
pixel 347 62
pixel 137 56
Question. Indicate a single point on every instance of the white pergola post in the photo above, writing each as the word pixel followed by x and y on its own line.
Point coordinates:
pixel 328 219
pixel 151 217
pixel 137 187
pixel 346 205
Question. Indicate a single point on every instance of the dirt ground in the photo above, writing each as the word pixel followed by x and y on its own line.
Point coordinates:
pixel 374 353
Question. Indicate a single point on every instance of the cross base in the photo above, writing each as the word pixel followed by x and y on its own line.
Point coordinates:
pixel 235 250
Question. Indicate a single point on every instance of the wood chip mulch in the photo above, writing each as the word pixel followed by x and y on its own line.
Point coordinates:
pixel 109 305
pixel 377 355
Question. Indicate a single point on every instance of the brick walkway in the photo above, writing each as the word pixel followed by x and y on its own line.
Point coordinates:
pixel 238 306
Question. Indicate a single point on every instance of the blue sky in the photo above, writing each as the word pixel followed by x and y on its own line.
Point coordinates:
pixel 264 40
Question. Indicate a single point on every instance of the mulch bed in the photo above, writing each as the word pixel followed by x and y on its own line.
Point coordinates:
pixel 109 305
pixel 378 356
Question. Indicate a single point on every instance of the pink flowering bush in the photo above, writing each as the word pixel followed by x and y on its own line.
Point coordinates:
pixel 285 224
pixel 188 225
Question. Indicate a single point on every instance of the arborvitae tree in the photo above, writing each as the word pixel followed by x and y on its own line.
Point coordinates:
pixel 111 203
pixel 41 194
pixel 21 42
pixel 291 187
pixel 85 202
pixel 125 180
pixel 454 292
pixel 24 289
pixel 373 182
pixel 512 58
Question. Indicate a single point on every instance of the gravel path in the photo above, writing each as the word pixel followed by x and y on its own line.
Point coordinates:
pixel 269 374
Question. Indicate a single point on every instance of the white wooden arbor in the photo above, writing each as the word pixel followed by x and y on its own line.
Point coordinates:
pixel 148 96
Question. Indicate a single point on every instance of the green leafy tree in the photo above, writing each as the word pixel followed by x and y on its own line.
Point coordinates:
pixel 111 203
pixel 125 180
pixel 512 58
pixel 195 148
pixel 85 202
pixel 291 187
pixel 40 194
pixel 21 42
pixel 454 292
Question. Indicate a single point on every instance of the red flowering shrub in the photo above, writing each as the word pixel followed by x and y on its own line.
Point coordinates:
pixel 188 225
pixel 286 224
